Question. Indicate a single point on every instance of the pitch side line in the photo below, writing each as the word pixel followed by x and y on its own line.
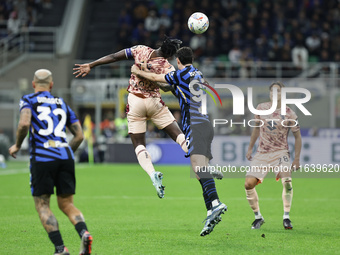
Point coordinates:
pixel 14 171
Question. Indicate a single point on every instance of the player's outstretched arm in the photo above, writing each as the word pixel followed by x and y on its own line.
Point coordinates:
pixel 254 135
pixel 24 124
pixel 164 86
pixel 78 135
pixel 148 75
pixel 298 145
pixel 83 69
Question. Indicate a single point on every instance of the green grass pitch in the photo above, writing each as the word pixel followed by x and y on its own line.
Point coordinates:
pixel 125 216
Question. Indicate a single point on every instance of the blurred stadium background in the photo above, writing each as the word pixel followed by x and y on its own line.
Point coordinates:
pixel 248 44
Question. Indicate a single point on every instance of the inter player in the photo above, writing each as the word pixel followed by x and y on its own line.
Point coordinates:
pixel 272 155
pixel 144 101
pixel 196 126
pixel 51 157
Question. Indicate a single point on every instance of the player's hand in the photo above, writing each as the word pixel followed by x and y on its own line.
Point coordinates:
pixel 295 165
pixel 13 150
pixel 81 70
pixel 143 65
pixel 248 155
pixel 134 69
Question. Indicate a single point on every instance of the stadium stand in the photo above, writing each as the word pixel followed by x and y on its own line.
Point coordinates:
pixel 101 28
pixel 296 35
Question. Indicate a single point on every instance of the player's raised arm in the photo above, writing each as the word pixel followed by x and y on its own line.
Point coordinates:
pixel 165 86
pixel 148 75
pixel 83 69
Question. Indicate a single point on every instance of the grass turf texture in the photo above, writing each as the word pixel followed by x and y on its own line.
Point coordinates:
pixel 125 216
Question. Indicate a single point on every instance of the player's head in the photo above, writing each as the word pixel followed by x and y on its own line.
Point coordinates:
pixel 185 56
pixel 169 47
pixel 42 80
pixel 278 85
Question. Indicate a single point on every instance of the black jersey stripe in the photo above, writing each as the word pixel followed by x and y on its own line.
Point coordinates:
pixel 50 150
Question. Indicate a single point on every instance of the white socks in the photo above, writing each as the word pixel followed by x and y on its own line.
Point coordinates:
pixel 287 195
pixel 144 159
pixel 253 201
pixel 181 141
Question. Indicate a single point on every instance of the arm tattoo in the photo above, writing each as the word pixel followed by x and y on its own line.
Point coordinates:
pixel 24 123
pixel 164 86
pixel 74 129
pixel 77 132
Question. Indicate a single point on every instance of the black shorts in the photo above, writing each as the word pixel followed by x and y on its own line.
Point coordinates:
pixel 200 138
pixel 47 175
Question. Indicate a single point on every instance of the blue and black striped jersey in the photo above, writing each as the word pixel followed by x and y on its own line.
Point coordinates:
pixel 47 136
pixel 183 81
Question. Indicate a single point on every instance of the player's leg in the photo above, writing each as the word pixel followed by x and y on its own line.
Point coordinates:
pixel 217 174
pixel 42 186
pixel 213 205
pixel 199 143
pixel 136 115
pixel 287 197
pixel 49 222
pixel 144 160
pixel 256 174
pixel 284 172
pixel 65 187
pixel 143 156
pixel 253 200
pixel 65 203
pixel 177 135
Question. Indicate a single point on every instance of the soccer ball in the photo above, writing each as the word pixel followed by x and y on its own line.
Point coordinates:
pixel 198 23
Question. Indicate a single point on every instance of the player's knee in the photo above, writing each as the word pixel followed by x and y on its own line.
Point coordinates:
pixel 249 185
pixel 287 183
pixel 62 206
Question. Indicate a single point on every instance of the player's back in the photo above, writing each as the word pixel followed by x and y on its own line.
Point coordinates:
pixel 189 104
pixel 143 87
pixel 50 116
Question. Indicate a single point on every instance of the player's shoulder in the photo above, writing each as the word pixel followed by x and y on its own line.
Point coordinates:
pixel 29 97
pixel 27 100
pixel 140 47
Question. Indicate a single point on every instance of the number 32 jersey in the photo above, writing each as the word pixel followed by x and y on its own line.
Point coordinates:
pixel 47 134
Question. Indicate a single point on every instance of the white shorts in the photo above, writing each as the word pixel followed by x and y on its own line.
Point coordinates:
pixel 139 110
pixel 263 163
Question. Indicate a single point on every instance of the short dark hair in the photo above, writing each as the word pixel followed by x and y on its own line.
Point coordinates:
pixel 185 55
pixel 276 83
pixel 170 46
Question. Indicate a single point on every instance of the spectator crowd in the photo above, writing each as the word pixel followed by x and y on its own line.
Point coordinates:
pixel 297 31
pixel 18 14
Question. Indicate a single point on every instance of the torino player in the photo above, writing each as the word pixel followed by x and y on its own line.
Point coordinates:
pixel 144 100
pixel 272 154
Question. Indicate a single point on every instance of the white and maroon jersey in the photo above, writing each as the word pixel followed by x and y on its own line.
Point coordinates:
pixel 275 128
pixel 142 87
